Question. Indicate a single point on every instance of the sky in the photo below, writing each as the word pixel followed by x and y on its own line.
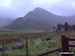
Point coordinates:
pixel 18 8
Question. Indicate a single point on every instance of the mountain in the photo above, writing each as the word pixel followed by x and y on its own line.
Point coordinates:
pixel 39 19
pixel 36 19
pixel 5 21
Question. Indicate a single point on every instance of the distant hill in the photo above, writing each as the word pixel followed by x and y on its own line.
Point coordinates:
pixel 5 21
pixel 39 19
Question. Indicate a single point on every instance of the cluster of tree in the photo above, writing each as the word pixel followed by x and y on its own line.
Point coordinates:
pixel 65 27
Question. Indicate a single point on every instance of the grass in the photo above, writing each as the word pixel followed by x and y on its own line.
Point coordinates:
pixel 37 46
pixel 19 52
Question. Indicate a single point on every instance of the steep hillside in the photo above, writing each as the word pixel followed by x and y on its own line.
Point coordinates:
pixel 39 19
pixel 5 21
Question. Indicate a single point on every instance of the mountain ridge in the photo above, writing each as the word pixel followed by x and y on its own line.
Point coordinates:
pixel 38 19
pixel 5 21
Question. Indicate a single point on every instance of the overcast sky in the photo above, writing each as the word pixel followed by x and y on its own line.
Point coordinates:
pixel 17 8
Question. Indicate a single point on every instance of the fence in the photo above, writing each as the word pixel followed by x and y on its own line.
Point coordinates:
pixel 65 46
pixel 12 55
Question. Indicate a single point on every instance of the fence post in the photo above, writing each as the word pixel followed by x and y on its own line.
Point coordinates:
pixel 27 47
pixel 3 47
pixel 65 45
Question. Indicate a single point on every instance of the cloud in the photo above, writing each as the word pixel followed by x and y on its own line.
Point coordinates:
pixel 5 3
pixel 65 7
pixel 21 7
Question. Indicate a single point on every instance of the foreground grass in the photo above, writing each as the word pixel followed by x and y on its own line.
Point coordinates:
pixel 37 46
pixel 13 52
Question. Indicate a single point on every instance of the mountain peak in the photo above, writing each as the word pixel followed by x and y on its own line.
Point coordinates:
pixel 39 9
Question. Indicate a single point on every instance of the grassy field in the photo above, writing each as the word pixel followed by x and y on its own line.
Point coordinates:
pixel 35 43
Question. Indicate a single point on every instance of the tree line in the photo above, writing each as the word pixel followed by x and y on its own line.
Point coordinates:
pixel 65 27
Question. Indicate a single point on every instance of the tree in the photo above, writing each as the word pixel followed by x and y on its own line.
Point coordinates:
pixel 59 27
pixel 66 26
pixel 73 27
pixel 54 28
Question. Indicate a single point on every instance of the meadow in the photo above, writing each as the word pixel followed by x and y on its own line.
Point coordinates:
pixel 36 44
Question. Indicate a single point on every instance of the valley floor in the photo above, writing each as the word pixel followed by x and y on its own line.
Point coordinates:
pixel 37 43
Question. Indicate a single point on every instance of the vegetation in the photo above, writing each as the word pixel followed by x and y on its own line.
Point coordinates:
pixel 65 27
pixel 35 43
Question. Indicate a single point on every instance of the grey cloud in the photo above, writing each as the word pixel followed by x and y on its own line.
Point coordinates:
pixel 21 7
